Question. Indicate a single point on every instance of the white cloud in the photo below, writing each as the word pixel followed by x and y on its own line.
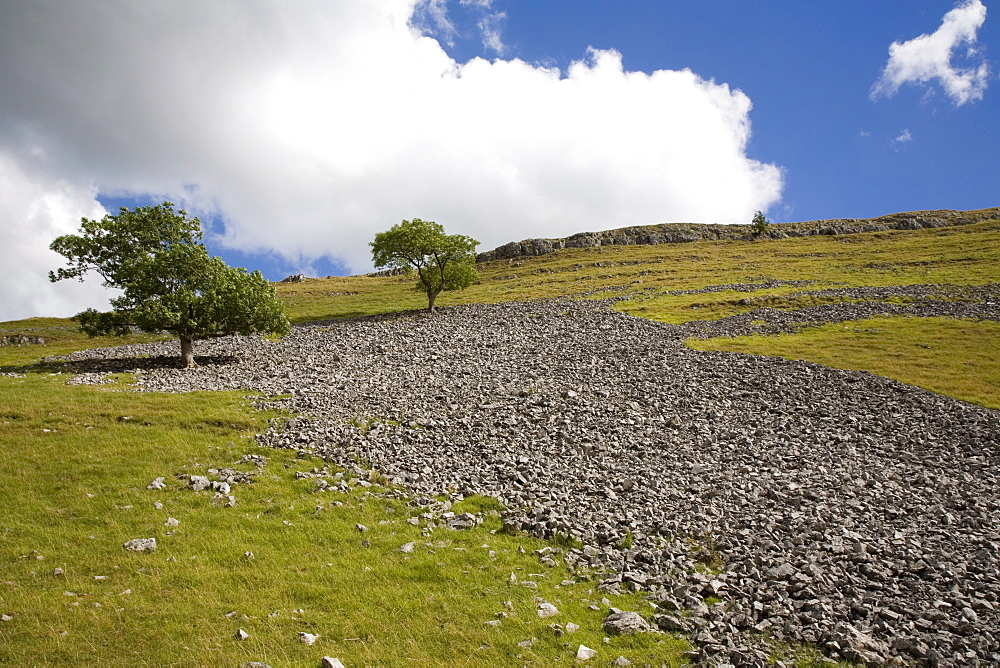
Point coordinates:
pixel 431 17
pixel 35 209
pixel 489 26
pixel 928 58
pixel 904 137
pixel 310 126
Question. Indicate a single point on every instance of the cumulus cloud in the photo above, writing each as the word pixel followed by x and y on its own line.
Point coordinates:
pixel 307 127
pixel 929 58
pixel 35 209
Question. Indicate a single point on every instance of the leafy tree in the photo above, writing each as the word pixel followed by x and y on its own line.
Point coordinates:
pixel 155 256
pixel 759 225
pixel 443 261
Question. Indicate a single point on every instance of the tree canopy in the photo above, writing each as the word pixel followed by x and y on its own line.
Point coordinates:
pixel 169 282
pixel 443 261
pixel 760 224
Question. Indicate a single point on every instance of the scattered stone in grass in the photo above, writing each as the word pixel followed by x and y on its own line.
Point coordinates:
pixel 224 500
pixel 584 653
pixel 241 634
pixel 495 623
pixel 407 547
pixel 621 661
pixel 141 545
pixel 463 521
pixel 100 577
pixel 248 555
pixel 545 610
pixel 557 629
pixel 308 638
pixel 158 505
pixel 366 543
pixel 526 644
pixel 255 664
pixel 361 527
pixel 625 623
pixel 572 628
pixel 57 571
pixel 5 618
pixel 157 484
pixel 331 662
pixel 172 522
pixel 199 482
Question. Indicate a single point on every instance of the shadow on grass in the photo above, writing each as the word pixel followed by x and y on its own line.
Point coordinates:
pixel 115 365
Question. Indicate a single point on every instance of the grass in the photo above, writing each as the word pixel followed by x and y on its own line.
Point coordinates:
pixel 75 462
pixel 74 465
pixel 966 255
pixel 948 356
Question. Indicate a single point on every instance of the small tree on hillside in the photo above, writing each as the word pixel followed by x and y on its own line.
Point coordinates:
pixel 760 225
pixel 443 261
pixel 155 256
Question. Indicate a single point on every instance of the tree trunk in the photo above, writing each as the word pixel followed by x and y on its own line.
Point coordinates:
pixel 431 296
pixel 187 352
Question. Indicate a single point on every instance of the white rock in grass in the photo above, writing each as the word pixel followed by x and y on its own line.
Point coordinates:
pixel 584 653
pixel 572 628
pixel 545 610
pixel 5 618
pixel 141 545
pixel 199 482
pixel 408 547
pixel 241 634
pixel 172 522
pixel 330 662
pixel 157 484
pixel 308 638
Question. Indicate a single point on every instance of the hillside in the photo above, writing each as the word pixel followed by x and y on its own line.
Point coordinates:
pixel 412 477
pixel 676 233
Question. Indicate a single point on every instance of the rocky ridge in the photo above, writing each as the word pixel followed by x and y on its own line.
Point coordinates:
pixel 674 233
pixel 748 495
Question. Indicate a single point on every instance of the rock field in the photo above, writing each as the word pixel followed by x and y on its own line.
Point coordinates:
pixel 752 497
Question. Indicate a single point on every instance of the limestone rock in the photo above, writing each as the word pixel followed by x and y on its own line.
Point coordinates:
pixel 625 623
pixel 141 545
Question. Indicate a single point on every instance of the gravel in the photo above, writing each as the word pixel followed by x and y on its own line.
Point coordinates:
pixel 749 496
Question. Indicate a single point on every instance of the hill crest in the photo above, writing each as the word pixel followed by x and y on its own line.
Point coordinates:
pixel 673 233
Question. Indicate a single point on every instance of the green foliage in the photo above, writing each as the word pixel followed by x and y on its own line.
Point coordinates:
pixel 169 282
pixel 760 225
pixel 443 261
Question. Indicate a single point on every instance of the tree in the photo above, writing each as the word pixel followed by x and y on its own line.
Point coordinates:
pixel 759 225
pixel 155 256
pixel 443 261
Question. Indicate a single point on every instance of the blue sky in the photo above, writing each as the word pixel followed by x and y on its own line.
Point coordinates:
pixel 297 129
pixel 808 67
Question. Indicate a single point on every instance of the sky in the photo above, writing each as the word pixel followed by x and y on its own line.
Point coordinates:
pixel 298 129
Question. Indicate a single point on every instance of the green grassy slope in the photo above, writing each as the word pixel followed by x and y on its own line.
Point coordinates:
pixel 75 462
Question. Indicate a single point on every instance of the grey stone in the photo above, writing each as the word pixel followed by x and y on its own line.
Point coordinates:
pixel 199 482
pixel 141 545
pixel 625 623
